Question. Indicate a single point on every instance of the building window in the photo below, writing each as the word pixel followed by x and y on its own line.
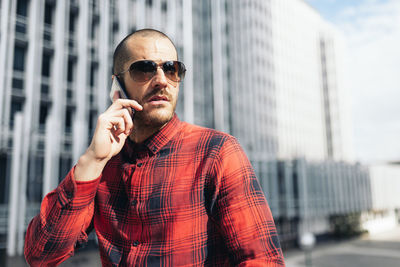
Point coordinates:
pixel 93 4
pixel 92 122
pixel 72 22
pixel 70 96
pixel 164 6
pixel 36 171
pixel 20 27
pixel 17 83
pixel 48 13
pixel 15 107
pixel 115 27
pixel 65 165
pixel 19 58
pixel 68 120
pixel 93 74
pixel 47 34
pixel 149 3
pixel 4 166
pixel 22 8
pixel 44 111
pixel 46 65
pixel 44 89
pixel 71 70
pixel 94 29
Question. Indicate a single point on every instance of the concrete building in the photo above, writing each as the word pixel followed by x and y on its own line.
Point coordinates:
pixel 278 64
pixel 265 71
pixel 307 53
pixel 55 77
pixel 385 190
pixel 281 65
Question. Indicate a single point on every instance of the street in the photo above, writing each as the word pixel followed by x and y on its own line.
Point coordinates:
pixel 381 250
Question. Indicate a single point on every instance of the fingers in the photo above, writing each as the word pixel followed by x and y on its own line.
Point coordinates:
pixel 111 123
pixel 124 103
pixel 117 119
pixel 127 120
pixel 118 125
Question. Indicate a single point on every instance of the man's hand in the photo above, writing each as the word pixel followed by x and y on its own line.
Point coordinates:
pixel 112 129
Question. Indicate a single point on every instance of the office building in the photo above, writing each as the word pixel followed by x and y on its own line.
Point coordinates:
pixel 265 71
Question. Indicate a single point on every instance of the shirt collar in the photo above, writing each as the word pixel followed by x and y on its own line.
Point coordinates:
pixel 158 140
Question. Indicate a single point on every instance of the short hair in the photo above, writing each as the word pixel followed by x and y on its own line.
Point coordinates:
pixel 122 53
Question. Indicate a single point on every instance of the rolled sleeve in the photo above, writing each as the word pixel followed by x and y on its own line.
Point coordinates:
pixel 76 194
pixel 65 216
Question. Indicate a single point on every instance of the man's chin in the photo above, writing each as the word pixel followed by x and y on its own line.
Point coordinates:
pixel 154 118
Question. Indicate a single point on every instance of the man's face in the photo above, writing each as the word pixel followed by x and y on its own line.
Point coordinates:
pixel 159 95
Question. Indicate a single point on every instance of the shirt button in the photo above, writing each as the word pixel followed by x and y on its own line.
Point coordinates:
pixel 140 164
pixel 134 202
pixel 69 194
pixel 135 243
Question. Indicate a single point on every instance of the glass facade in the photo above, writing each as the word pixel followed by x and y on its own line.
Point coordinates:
pixel 246 71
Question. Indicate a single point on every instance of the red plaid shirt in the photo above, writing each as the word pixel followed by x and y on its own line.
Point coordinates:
pixel 187 196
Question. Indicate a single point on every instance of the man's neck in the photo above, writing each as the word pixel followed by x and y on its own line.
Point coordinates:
pixel 141 132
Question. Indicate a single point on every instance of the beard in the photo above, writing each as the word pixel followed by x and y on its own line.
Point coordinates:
pixel 154 118
pixel 157 116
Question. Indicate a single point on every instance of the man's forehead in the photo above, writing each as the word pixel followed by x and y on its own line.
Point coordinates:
pixel 145 47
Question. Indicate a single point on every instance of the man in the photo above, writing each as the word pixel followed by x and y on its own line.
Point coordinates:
pixel 157 191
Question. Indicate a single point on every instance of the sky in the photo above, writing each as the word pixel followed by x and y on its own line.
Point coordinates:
pixel 371 29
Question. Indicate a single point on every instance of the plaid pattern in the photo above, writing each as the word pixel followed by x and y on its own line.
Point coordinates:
pixel 187 196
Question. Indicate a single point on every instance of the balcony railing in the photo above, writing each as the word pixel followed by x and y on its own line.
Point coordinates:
pixel 47 35
pixel 45 89
pixel 20 27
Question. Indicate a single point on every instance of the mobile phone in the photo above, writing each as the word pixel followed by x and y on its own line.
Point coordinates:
pixel 117 87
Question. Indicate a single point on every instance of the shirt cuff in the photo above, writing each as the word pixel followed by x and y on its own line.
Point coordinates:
pixel 77 194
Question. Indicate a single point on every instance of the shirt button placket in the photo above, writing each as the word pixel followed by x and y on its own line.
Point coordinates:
pixel 69 194
pixel 134 202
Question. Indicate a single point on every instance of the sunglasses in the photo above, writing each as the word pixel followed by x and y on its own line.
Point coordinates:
pixel 145 70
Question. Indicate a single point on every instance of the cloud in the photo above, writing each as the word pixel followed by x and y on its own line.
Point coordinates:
pixel 372 34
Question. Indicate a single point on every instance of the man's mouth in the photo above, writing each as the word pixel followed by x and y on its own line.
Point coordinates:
pixel 157 98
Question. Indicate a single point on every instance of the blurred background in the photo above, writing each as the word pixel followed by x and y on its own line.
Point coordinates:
pixel 309 88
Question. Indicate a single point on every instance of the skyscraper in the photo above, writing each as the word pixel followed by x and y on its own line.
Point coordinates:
pixel 265 71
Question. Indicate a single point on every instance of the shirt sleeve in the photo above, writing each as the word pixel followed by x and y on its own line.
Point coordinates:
pixel 62 224
pixel 241 211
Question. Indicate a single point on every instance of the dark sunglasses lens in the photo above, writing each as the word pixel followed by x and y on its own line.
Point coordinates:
pixel 181 70
pixel 143 70
pixel 174 70
pixel 171 71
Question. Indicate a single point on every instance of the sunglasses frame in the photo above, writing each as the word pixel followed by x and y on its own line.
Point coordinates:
pixel 158 65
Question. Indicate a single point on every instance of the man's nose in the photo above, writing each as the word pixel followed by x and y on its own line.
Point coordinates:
pixel 159 80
